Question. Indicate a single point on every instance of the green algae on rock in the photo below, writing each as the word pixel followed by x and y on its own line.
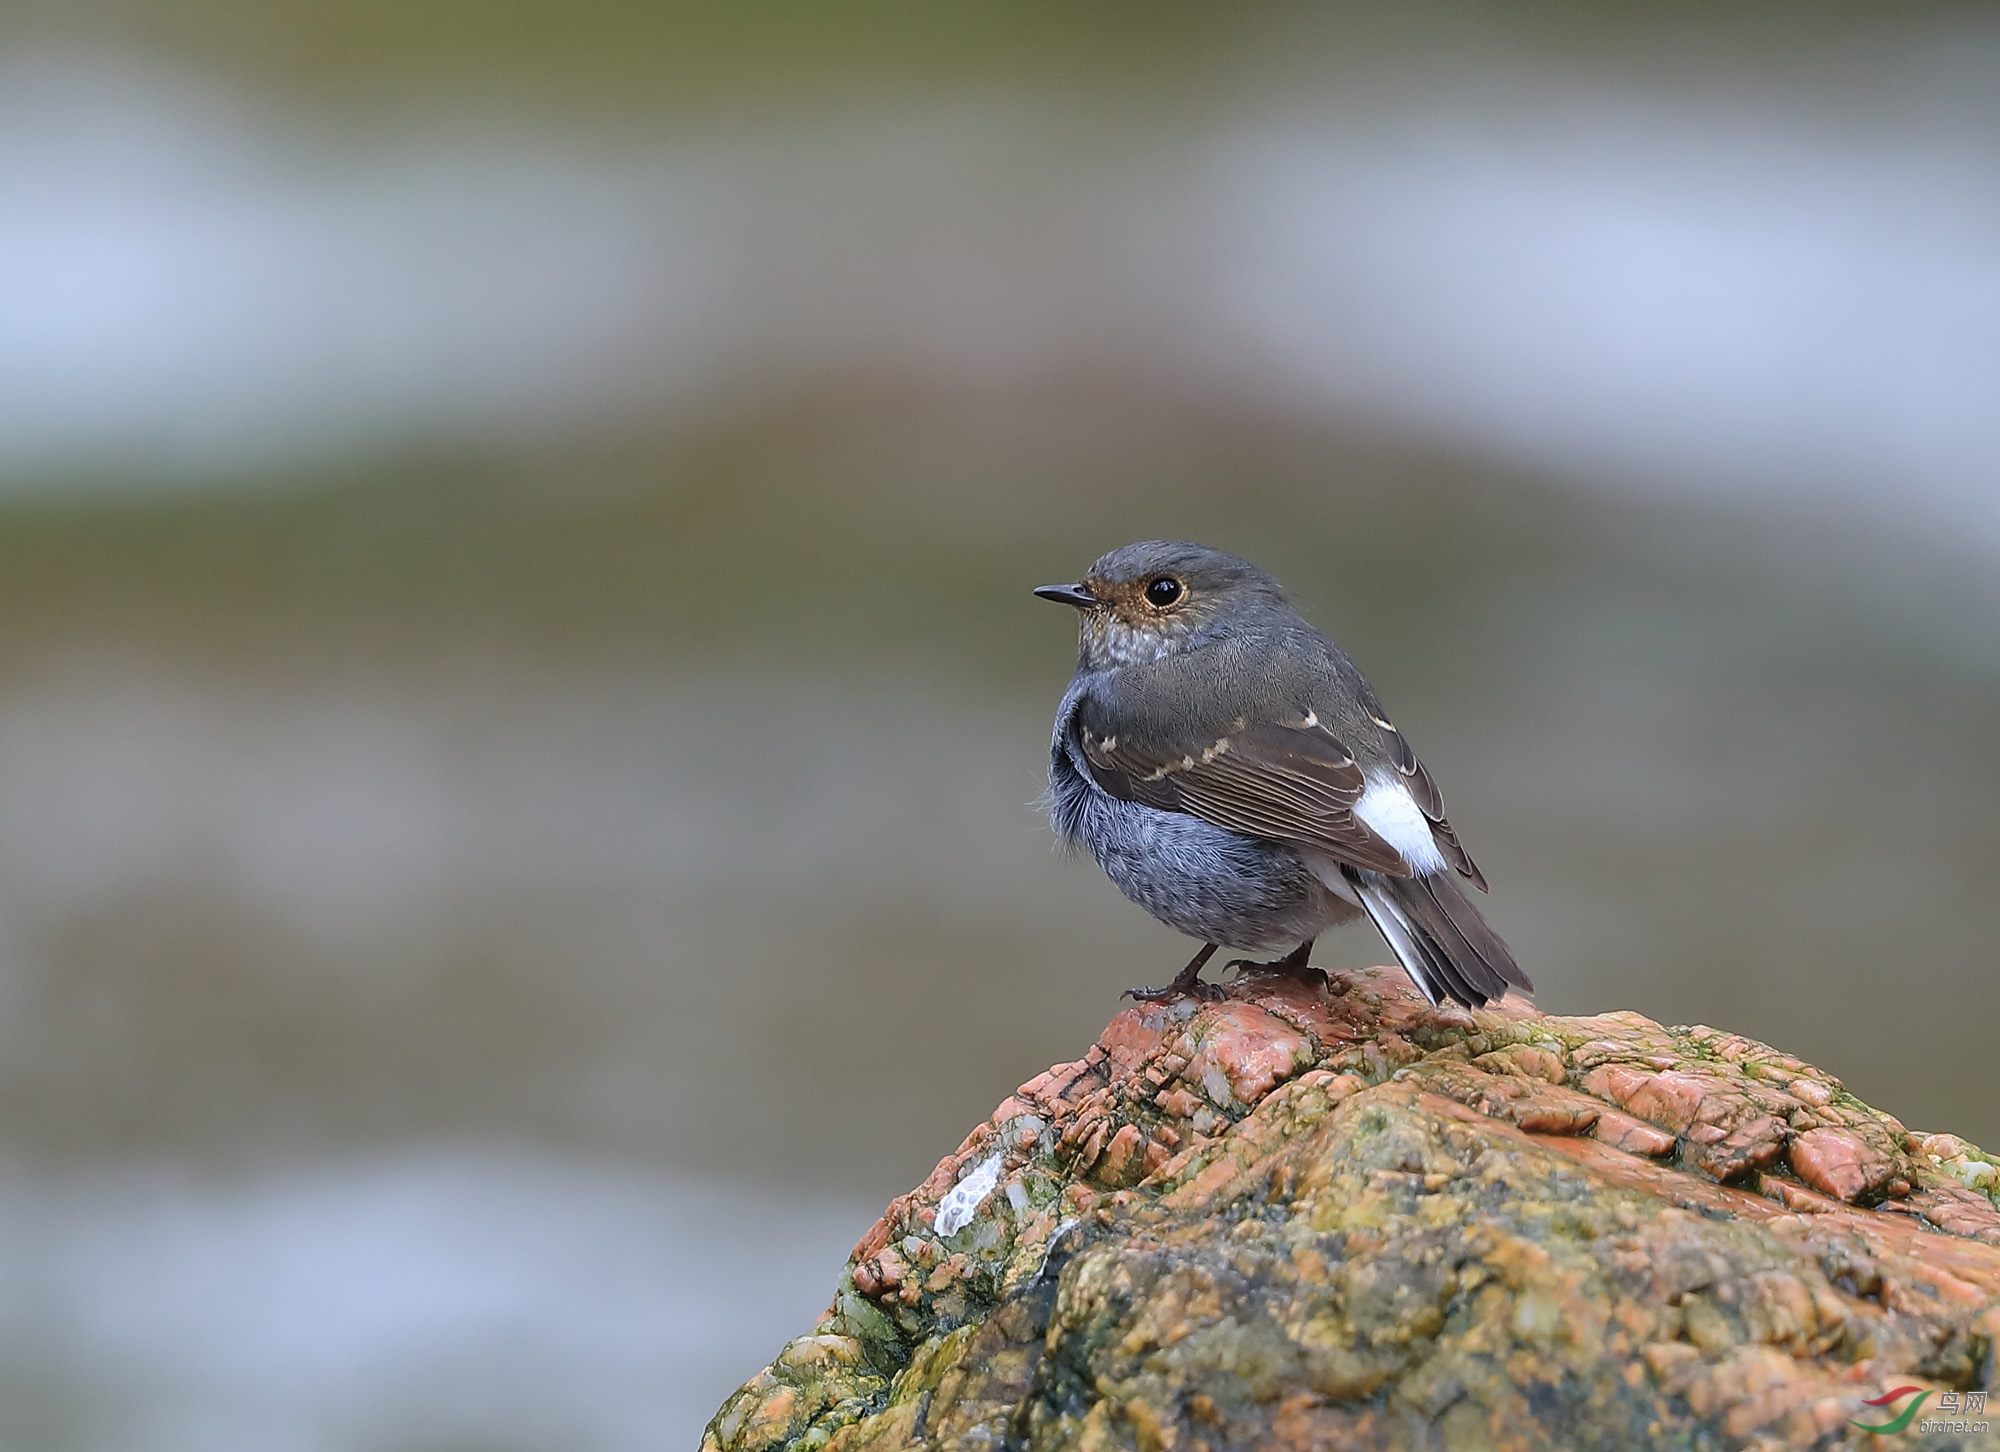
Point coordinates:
pixel 1305 1217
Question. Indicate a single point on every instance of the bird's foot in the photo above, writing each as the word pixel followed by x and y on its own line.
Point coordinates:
pixel 1295 964
pixel 1206 992
pixel 1187 984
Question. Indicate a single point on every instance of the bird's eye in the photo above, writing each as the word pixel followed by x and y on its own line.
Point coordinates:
pixel 1163 592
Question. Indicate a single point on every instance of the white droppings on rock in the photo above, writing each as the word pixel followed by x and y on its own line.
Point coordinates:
pixel 955 1210
pixel 1216 1085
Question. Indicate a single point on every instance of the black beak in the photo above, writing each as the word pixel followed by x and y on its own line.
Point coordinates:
pixel 1076 595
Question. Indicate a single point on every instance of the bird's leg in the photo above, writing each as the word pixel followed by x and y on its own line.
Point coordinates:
pixel 1187 983
pixel 1295 964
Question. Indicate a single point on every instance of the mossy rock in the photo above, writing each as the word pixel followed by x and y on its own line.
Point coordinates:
pixel 1333 1216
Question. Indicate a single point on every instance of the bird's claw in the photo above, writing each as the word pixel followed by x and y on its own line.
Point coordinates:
pixel 1281 968
pixel 1206 992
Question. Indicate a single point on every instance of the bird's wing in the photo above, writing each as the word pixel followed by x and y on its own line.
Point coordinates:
pixel 1287 781
pixel 1424 792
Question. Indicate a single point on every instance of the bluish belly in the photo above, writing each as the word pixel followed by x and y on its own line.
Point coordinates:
pixel 1205 882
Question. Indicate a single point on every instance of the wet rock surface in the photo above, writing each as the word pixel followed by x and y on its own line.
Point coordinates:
pixel 1314 1217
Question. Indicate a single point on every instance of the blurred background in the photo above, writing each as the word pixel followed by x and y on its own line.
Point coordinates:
pixel 520 710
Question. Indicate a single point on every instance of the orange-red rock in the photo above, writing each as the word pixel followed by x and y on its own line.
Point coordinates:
pixel 1839 1164
pixel 1339 1218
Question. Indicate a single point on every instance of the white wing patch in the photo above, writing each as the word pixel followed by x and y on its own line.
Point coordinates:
pixel 1393 815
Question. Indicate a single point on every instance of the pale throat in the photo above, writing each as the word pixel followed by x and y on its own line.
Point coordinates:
pixel 1107 640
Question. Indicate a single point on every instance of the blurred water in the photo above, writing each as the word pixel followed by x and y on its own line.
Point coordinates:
pixel 1750 292
pixel 1618 289
pixel 441 1297
pixel 192 287
pixel 513 633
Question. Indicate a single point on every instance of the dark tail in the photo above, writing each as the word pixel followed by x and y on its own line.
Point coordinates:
pixel 1439 936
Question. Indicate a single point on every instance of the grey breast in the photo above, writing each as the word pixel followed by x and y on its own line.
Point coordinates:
pixel 1195 877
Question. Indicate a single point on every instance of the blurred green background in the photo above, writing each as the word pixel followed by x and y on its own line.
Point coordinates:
pixel 520 711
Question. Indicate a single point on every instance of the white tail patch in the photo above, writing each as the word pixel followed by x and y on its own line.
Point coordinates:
pixel 1393 815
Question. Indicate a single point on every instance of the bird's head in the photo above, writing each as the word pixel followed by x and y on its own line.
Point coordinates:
pixel 1147 600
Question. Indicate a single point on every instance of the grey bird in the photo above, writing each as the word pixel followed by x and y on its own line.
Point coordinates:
pixel 1234 775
